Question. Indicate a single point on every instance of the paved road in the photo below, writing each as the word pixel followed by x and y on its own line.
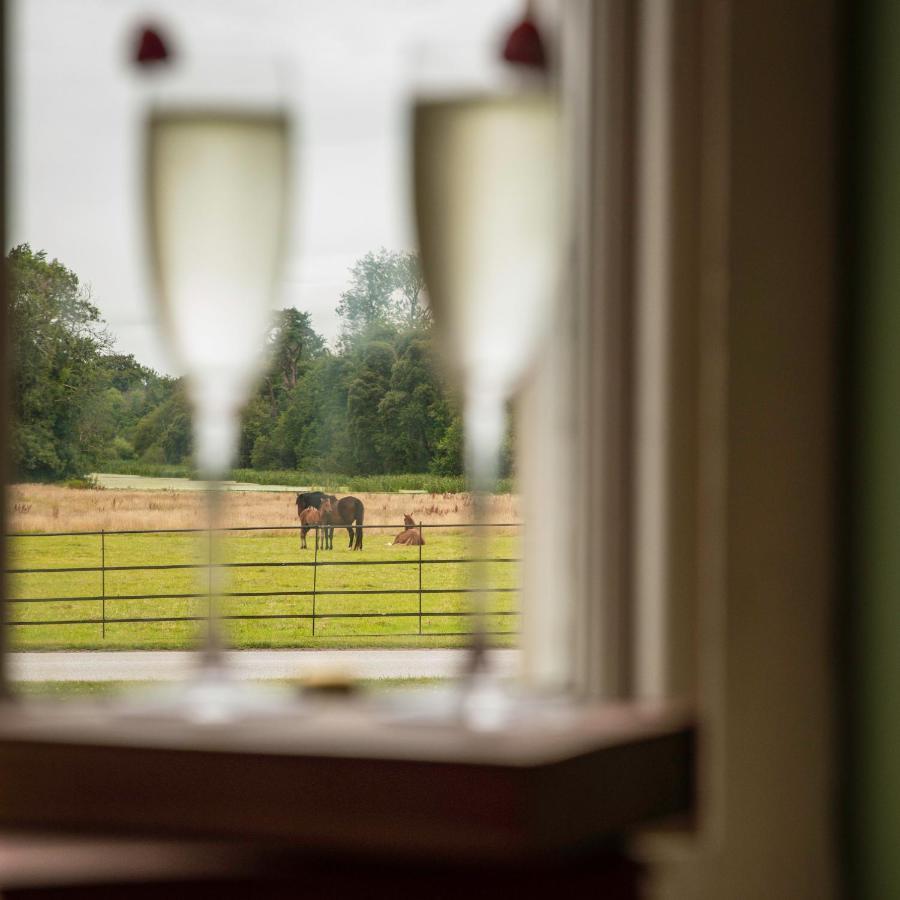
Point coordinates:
pixel 151 483
pixel 159 665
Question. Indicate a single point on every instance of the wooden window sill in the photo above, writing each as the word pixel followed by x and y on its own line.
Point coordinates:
pixel 344 781
pixel 50 867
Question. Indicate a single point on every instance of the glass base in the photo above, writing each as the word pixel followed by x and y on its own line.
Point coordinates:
pixel 482 702
pixel 211 697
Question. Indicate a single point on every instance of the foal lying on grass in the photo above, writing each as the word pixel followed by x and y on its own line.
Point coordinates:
pixel 410 534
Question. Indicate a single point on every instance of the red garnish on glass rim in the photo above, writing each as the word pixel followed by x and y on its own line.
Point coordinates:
pixel 151 48
pixel 524 46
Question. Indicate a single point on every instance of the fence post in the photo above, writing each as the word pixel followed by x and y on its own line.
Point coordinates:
pixel 103 583
pixel 420 577
pixel 315 578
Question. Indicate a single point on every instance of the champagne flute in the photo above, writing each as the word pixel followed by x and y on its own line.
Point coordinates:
pixel 487 200
pixel 217 174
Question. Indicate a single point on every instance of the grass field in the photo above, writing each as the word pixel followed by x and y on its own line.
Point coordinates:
pixel 381 619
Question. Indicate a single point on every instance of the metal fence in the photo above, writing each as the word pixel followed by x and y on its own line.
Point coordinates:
pixel 107 616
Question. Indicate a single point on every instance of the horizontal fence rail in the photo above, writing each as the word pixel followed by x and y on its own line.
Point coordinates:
pixel 280 564
pixel 314 616
pixel 236 528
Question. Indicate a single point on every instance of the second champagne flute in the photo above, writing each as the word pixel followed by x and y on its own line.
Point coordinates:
pixel 487 199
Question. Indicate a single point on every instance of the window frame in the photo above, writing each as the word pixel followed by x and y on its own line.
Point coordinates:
pixel 596 652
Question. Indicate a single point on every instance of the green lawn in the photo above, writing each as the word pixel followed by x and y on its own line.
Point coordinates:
pixel 384 619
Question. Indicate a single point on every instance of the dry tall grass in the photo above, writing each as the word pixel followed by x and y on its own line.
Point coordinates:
pixel 41 507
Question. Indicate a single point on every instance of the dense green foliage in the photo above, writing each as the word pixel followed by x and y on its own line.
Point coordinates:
pixel 331 481
pixel 74 401
pixel 374 405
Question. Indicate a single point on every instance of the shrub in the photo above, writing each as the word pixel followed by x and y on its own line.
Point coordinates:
pixel 121 448
pixel 85 484
pixel 154 455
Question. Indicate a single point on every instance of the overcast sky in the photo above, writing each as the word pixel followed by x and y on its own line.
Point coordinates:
pixel 76 111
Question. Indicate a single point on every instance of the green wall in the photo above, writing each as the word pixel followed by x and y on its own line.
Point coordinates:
pixel 874 596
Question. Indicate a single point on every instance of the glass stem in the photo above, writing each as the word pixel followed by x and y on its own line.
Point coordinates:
pixel 212 651
pixel 484 420
pixel 216 424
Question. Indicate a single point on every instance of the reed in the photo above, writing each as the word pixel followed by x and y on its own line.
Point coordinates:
pixel 45 508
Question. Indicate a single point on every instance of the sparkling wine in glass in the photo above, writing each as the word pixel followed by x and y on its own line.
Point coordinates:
pixel 217 185
pixel 487 199
pixel 217 175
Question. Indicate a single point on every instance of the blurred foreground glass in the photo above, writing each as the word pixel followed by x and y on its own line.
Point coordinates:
pixel 217 171
pixel 488 189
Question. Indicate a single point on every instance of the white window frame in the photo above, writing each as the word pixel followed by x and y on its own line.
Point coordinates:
pixel 623 423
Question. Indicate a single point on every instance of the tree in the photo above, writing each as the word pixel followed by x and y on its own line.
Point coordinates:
pixel 58 340
pixel 125 373
pixel 256 425
pixel 294 346
pixel 132 391
pixel 164 434
pixel 366 426
pixel 410 284
pixel 414 407
pixel 448 455
pixel 385 289
pixel 294 343
pixel 312 432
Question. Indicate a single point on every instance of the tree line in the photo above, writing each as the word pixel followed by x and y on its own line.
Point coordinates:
pixel 373 404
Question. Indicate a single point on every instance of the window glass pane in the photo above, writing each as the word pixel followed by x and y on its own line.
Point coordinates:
pixel 354 404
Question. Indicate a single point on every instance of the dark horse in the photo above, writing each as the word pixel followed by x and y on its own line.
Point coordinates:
pixel 311 498
pixel 347 511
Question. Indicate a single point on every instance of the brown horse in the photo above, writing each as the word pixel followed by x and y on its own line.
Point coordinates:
pixel 410 534
pixel 346 512
pixel 329 518
pixel 309 518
